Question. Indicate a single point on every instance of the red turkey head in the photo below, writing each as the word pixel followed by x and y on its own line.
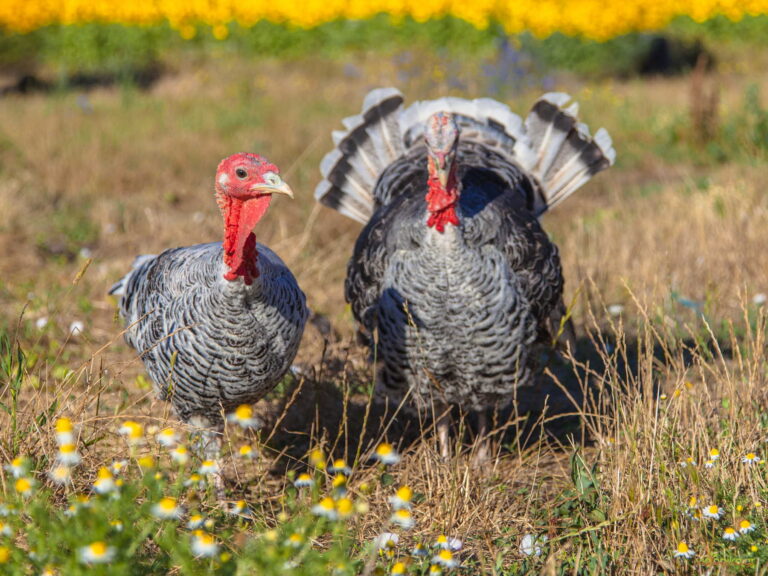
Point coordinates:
pixel 441 135
pixel 244 187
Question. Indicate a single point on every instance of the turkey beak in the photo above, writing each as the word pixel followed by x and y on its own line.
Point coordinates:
pixel 280 188
pixel 442 176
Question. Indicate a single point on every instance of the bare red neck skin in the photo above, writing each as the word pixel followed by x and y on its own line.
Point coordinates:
pixel 441 201
pixel 240 217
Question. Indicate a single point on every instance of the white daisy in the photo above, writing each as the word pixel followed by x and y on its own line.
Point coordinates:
pixel 446 543
pixel 96 553
pixel 118 467
pixel 714 512
pixel 303 480
pixel 180 455
pixel 195 522
pixel 340 467
pixel 105 482
pixel 167 509
pixel 714 454
pixel 204 545
pixel 730 534
pixel 402 498
pixel 386 540
pixel 68 455
pixel 208 467
pixel 709 464
pixel 133 432
pixel 244 417
pixel 751 458
pixel 18 467
pixel 167 437
pixel 445 559
pixel 246 452
pixel 420 551
pixel 402 518
pixel 60 474
pixel 745 527
pixel 326 508
pixel 386 454
pixel 683 551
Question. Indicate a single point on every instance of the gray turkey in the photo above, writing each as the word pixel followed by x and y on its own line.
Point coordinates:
pixel 217 325
pixel 453 279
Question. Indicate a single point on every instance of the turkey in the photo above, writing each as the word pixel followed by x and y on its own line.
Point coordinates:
pixel 217 325
pixel 453 280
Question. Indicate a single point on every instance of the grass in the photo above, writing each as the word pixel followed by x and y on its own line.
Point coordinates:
pixel 663 256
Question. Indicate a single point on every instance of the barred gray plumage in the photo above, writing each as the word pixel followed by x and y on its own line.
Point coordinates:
pixel 217 325
pixel 453 277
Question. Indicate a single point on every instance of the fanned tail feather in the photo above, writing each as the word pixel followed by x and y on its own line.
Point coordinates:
pixel 371 141
pixel 552 147
pixel 565 155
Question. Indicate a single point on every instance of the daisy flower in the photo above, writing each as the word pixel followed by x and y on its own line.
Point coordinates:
pixel 49 571
pixel 714 512
pixel 714 454
pixel 244 417
pixel 68 455
pixel 709 464
pixel 530 545
pixel 340 467
pixel 683 551
pixel 730 534
pixel 326 508
pixel 688 462
pixel 25 486
pixel 195 522
pixel 386 454
pixel 386 543
pixel 339 484
pixel 64 431
pixel 18 467
pixel 133 431
pixel 295 540
pixel 180 455
pixel 403 519
pixel 317 459
pixel 745 527
pixel 452 544
pixel 96 553
pixel 5 530
pixel 105 482
pixel 204 545
pixel 195 480
pixel 420 551
pixel 167 509
pixel 239 508
pixel 60 475
pixel 435 570
pixel 751 458
pixel 445 559
pixel 402 498
pixel 398 569
pixel 167 437
pixel 303 480
pixel 208 467
pixel 118 467
pixel 116 525
pixel 246 452
pixel 146 462
pixel 344 507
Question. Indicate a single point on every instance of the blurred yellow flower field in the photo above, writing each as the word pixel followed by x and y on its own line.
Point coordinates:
pixel 592 19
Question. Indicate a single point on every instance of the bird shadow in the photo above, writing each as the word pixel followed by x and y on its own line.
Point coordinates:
pixel 331 404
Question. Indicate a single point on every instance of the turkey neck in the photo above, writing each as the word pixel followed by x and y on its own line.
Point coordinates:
pixel 240 217
pixel 442 200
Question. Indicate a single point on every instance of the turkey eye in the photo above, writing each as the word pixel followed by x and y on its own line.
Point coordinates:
pixel 241 173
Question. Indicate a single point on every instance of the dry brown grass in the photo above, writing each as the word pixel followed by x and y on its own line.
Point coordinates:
pixel 138 170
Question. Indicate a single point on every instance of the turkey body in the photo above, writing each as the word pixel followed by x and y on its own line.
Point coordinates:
pixel 208 344
pixel 455 313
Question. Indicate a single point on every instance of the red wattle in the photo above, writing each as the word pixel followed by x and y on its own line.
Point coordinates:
pixel 441 202
pixel 240 218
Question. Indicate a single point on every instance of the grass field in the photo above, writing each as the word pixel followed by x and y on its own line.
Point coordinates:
pixel 664 259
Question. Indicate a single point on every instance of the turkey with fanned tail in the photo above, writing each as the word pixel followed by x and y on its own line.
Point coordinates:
pixel 217 325
pixel 453 279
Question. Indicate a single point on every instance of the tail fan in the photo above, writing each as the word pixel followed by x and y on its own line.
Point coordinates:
pixel 551 146
pixel 566 156
pixel 372 140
